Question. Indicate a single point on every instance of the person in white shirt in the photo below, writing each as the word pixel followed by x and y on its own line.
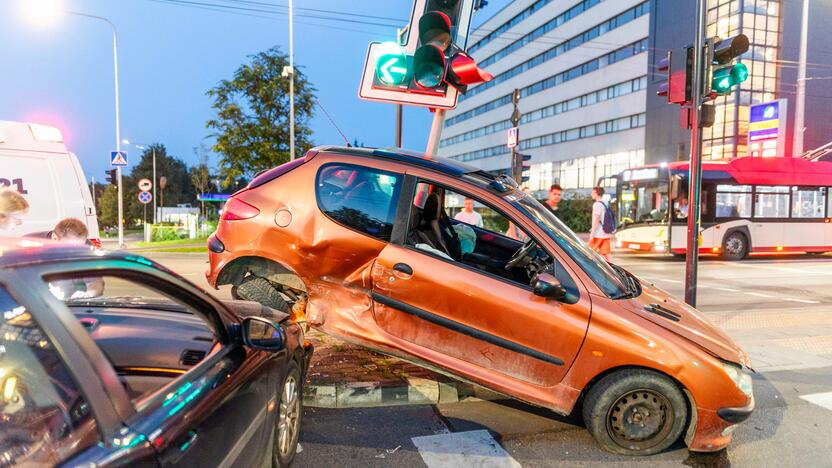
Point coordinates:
pixel 468 215
pixel 599 240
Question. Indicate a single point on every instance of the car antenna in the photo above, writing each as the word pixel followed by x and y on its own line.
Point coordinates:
pixel 333 123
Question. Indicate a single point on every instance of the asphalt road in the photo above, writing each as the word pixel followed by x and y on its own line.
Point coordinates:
pixel 778 308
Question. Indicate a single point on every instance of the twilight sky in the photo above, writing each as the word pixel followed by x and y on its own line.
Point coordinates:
pixel 170 55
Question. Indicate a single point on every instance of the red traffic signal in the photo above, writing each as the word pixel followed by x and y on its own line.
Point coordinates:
pixel 464 72
pixel 677 69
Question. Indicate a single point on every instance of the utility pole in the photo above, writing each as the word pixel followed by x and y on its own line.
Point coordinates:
pixel 291 81
pixel 800 104
pixel 153 150
pixel 695 179
pixel 516 166
pixel 399 109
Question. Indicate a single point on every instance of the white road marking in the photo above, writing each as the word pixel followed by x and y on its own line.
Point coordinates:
pixel 823 400
pixel 463 449
pixel 728 290
pixel 802 301
pixel 756 294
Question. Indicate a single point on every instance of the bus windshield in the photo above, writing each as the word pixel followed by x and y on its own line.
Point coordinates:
pixel 643 202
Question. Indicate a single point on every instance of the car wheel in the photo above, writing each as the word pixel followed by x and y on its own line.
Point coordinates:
pixel 287 422
pixel 735 246
pixel 257 289
pixel 635 412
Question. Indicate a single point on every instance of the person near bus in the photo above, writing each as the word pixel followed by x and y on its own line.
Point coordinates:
pixel 74 231
pixel 682 206
pixel 13 207
pixel 600 235
pixel 468 215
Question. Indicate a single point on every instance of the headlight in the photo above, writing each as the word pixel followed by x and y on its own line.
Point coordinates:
pixel 741 378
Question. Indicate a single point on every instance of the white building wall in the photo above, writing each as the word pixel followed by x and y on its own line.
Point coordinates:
pixel 558 156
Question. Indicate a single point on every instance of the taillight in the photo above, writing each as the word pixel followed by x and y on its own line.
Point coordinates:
pixel 96 243
pixel 236 210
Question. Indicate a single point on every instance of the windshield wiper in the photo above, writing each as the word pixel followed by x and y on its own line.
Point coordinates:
pixel 629 281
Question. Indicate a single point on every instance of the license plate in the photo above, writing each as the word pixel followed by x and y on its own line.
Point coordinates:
pixel 635 246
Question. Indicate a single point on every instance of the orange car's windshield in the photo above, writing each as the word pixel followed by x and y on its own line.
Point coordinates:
pixel 604 275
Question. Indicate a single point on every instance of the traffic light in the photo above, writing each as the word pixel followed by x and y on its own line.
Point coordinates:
pixel 724 73
pixel 678 70
pixel 525 167
pixel 431 68
pixel 112 176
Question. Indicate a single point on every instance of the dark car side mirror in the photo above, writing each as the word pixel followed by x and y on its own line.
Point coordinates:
pixel 548 286
pixel 263 334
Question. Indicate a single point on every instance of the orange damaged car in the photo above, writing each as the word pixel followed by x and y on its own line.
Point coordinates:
pixel 458 270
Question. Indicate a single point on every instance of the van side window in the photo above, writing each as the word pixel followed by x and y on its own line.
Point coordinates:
pixel 359 198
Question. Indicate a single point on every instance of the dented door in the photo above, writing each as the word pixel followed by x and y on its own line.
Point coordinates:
pixel 457 317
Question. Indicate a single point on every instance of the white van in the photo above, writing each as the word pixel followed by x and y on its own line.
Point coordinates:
pixel 35 162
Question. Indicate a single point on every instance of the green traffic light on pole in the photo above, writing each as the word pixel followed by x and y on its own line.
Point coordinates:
pixel 726 78
pixel 391 64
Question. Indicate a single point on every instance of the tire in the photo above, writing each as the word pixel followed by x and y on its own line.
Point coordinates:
pixel 257 289
pixel 287 420
pixel 734 246
pixel 635 412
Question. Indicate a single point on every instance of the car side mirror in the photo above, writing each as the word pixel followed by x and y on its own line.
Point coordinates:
pixel 548 286
pixel 264 334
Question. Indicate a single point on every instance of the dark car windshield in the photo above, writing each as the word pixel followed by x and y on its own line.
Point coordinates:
pixel 602 273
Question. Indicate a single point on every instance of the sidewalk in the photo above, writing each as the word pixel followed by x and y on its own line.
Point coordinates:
pixel 343 375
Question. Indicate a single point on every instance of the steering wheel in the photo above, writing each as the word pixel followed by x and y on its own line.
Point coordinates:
pixel 521 253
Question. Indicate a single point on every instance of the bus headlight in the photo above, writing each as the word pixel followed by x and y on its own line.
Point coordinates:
pixel 741 378
pixel 660 245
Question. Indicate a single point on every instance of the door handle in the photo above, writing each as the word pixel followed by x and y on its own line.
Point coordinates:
pixel 403 268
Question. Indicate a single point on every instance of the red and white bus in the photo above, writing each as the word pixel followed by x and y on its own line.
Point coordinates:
pixel 749 205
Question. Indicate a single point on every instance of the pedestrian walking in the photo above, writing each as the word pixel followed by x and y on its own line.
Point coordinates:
pixel 12 209
pixel 600 235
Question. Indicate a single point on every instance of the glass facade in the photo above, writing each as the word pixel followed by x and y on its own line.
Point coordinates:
pixel 582 173
pixel 759 20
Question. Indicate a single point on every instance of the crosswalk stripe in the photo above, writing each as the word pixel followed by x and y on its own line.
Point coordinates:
pixel 802 301
pixel 823 400
pixel 463 449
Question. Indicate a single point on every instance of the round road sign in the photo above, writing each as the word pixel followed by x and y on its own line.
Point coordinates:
pixel 145 197
pixel 145 185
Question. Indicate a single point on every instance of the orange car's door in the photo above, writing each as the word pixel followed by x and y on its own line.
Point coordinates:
pixel 456 316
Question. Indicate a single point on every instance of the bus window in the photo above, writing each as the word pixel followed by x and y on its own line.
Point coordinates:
pixel 733 201
pixel 808 202
pixel 772 202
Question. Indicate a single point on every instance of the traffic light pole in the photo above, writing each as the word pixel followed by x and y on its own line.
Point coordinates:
pixel 435 132
pixel 695 179
pixel 399 109
pixel 516 166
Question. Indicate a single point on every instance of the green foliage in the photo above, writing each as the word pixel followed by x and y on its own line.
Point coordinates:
pixel 251 128
pixel 576 213
pixel 179 189
pixel 108 206
pixel 162 233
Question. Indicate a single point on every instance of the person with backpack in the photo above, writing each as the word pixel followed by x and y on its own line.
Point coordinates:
pixel 603 225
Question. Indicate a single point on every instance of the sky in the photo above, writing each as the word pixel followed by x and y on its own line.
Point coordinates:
pixel 61 73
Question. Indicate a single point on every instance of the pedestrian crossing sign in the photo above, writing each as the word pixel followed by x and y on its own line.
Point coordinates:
pixel 118 158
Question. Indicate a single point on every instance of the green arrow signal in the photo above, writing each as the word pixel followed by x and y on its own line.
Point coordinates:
pixel 391 66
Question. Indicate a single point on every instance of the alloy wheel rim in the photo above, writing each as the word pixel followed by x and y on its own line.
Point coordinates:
pixel 734 245
pixel 288 417
pixel 640 419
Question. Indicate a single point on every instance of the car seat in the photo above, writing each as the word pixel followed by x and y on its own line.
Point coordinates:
pixel 434 228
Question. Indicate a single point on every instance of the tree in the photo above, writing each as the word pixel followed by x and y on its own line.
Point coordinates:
pixel 179 189
pixel 251 127
pixel 108 203
pixel 201 174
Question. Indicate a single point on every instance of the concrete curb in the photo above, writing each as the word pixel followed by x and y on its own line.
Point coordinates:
pixel 377 394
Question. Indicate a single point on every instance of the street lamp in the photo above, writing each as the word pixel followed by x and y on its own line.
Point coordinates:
pixel 46 11
pixel 144 147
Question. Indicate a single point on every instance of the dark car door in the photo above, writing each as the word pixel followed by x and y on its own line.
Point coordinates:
pixel 221 412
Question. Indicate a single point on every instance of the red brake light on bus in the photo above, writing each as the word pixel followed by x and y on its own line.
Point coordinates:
pixel 236 210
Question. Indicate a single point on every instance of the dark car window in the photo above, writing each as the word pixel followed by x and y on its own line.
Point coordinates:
pixel 360 198
pixel 150 337
pixel 41 405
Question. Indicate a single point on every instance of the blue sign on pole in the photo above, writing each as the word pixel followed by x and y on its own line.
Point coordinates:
pixel 118 158
pixel 145 197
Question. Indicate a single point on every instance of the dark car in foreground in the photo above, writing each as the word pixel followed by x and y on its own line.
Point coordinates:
pixel 109 358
